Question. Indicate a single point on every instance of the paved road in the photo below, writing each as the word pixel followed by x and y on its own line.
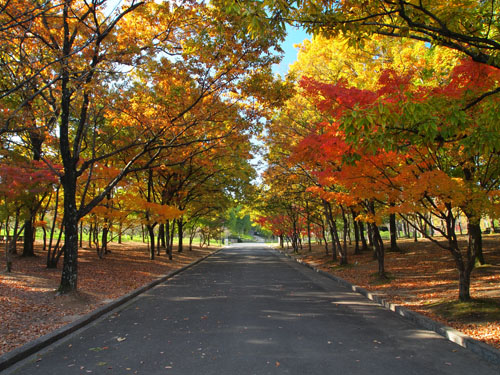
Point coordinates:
pixel 248 310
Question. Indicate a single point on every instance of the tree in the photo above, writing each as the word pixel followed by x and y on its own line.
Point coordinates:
pixel 436 176
pixel 469 27
pixel 88 68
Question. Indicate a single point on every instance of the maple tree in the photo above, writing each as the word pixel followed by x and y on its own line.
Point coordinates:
pixel 389 129
pixel 402 116
pixel 24 184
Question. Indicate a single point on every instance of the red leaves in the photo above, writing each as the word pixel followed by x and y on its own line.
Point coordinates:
pixel 335 98
pixel 470 76
pixel 25 178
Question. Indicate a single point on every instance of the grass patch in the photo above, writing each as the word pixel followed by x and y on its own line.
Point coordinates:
pixel 377 280
pixel 486 265
pixel 336 266
pixel 474 311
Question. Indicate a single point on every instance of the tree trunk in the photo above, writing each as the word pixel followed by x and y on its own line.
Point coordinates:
pixel 332 226
pixel 357 249
pixel 28 248
pixel 81 233
pixel 44 235
pixel 364 245
pixel 52 257
pixel 393 230
pixel 379 251
pixel 151 233
pixel 378 244
pixel 161 235
pixel 308 227
pixel 8 254
pixel 91 228
pixel 104 242
pixel 336 240
pixel 69 277
pixel 343 252
pixel 475 241
pixel 13 242
pixel 323 233
pixel 464 286
pixel 172 234
pixel 168 247
pixel 180 230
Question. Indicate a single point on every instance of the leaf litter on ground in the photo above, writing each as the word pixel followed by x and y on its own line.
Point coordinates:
pixel 30 307
pixel 423 278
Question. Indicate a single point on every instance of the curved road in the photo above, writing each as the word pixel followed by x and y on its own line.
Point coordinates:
pixel 249 310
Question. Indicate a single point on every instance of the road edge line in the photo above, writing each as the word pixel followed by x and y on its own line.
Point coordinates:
pixel 10 358
pixel 485 351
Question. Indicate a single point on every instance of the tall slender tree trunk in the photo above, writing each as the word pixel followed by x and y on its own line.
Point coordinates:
pixel 161 235
pixel 172 234
pixel 8 254
pixel 168 247
pixel 69 277
pixel 370 235
pixel 364 245
pixel 377 243
pixel 332 226
pixel 180 231
pixel 394 234
pixel 120 228
pixel 323 233
pixel 379 251
pixel 81 233
pixel 36 139
pixel 357 249
pixel 343 253
pixel 308 219
pixel 151 232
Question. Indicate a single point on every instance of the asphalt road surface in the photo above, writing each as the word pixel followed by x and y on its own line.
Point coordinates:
pixel 249 310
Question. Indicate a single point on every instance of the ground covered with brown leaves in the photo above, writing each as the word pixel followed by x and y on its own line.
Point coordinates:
pixel 30 308
pixel 424 279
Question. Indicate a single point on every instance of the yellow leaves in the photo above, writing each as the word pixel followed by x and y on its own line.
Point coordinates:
pixel 370 218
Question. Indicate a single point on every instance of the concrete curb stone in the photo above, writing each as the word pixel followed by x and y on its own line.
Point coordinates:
pixel 485 351
pixel 10 358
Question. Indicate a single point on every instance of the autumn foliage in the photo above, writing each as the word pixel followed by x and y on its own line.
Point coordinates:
pixel 400 131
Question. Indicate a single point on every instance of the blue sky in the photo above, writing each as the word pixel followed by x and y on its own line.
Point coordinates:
pixel 295 36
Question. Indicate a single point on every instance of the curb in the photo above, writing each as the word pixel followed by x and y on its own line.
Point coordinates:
pixel 16 355
pixel 485 351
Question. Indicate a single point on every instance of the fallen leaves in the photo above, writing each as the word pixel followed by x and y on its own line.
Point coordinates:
pixel 422 276
pixel 30 308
